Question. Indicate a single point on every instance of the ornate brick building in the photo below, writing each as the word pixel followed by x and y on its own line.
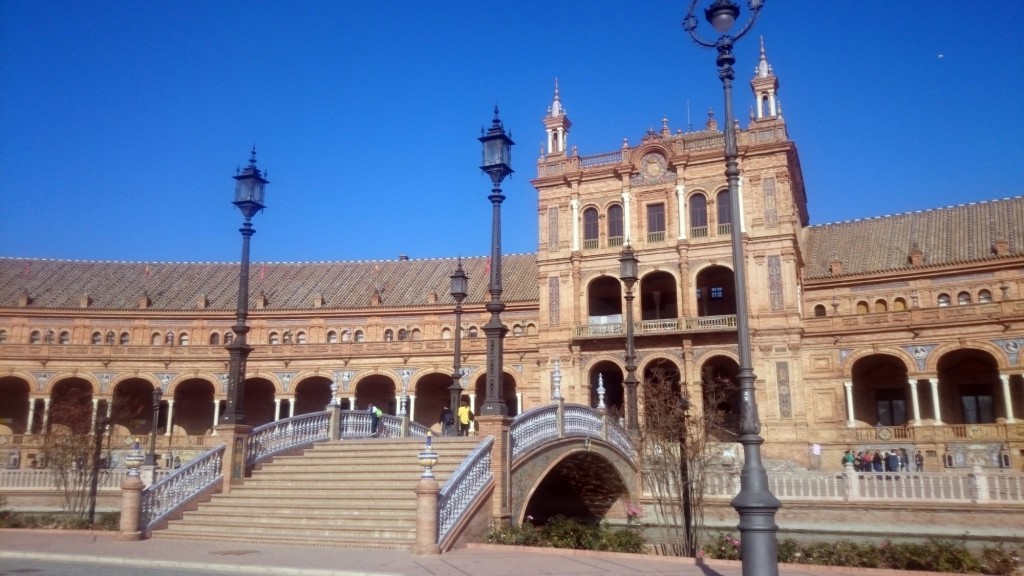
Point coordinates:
pixel 896 331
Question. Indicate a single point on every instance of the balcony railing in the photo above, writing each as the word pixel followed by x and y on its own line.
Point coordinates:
pixel 591 244
pixel 656 236
pixel 669 325
pixel 724 229
pixel 699 232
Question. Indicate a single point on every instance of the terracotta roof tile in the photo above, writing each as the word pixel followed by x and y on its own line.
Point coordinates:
pixel 951 235
pixel 287 285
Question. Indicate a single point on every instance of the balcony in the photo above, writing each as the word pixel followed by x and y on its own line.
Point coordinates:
pixel 690 324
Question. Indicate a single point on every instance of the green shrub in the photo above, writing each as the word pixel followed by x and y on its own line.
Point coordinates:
pixel 562 532
pixel 997 560
pixel 525 535
pixel 626 540
pixel 109 521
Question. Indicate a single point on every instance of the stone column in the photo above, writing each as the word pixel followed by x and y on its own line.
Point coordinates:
pixel 95 409
pixel 627 217
pixel 519 403
pixel 46 413
pixel 681 203
pixel 501 498
pixel 575 204
pixel 291 407
pixel 31 415
pixel 234 437
pixel 1007 398
pixel 216 412
pixel 472 406
pixel 351 402
pixel 850 421
pixel 131 508
pixel 277 409
pixel 935 400
pixel 170 417
pixel 915 403
pixel 426 518
pixel 412 407
pixel 851 481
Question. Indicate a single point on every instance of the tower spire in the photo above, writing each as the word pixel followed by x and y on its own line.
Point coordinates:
pixel 765 86
pixel 557 125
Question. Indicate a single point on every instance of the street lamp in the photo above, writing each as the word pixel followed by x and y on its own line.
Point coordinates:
pixel 151 456
pixel 249 193
pixel 460 288
pixel 755 503
pixel 629 272
pixel 497 163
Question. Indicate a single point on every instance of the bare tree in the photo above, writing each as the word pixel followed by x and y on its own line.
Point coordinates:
pixel 679 444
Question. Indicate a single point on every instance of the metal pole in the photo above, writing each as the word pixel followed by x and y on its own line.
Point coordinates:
pixel 94 478
pixel 494 402
pixel 755 503
pixel 238 350
pixel 632 414
pixel 151 456
pixel 455 390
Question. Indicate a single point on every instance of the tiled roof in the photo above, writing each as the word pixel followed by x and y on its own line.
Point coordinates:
pixel 945 236
pixel 287 285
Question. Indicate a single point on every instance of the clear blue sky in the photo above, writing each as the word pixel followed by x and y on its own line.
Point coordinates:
pixel 122 122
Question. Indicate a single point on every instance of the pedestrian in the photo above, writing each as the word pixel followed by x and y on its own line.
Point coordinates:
pixel 919 461
pixel 858 461
pixel 375 416
pixel 877 464
pixel 465 418
pixel 848 458
pixel 892 461
pixel 904 460
pixel 447 421
pixel 868 461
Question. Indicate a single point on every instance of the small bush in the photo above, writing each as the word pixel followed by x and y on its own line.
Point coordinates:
pixel 526 535
pixel 109 521
pixel 562 532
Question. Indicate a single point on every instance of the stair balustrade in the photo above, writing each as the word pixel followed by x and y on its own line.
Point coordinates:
pixel 163 498
pixel 462 488
pixel 275 437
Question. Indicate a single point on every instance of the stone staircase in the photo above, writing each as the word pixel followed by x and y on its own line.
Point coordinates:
pixel 348 493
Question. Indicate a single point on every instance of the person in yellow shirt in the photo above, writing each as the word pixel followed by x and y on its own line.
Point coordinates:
pixel 465 417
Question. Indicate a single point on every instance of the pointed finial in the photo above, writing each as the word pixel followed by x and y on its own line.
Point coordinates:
pixel 252 156
pixel 555 110
pixel 763 69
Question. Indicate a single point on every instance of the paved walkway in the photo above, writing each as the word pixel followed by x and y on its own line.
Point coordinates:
pixel 477 560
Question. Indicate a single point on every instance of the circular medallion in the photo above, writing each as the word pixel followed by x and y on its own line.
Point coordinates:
pixel 884 434
pixel 653 165
pixel 974 431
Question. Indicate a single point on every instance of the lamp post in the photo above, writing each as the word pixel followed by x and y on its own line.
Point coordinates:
pixel 629 272
pixel 460 288
pixel 94 471
pixel 497 163
pixel 249 193
pixel 755 503
pixel 151 456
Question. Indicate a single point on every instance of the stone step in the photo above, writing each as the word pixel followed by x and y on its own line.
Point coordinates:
pixel 298 512
pixel 354 534
pixel 380 543
pixel 349 521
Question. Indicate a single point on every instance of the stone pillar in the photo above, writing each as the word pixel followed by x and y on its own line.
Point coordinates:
pixel 850 422
pixel 519 403
pixel 560 419
pixel 472 406
pixel 291 407
pixel 335 427
pixel 131 508
pixel 935 400
pixel 851 480
pixel 234 437
pixel 1007 398
pixel 351 402
pixel 46 414
pixel 31 415
pixel 277 409
pixel 426 518
pixel 170 417
pixel 979 482
pixel 501 500
pixel 915 403
pixel 681 204
pixel 412 406
pixel 216 412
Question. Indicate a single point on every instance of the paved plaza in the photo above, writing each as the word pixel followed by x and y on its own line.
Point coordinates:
pixel 85 549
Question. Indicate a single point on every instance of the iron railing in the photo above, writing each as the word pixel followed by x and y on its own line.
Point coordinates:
pixel 163 498
pixel 463 487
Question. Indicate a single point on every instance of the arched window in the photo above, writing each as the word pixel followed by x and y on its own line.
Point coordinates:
pixel 49 337
pixel 531 329
pixel 110 337
pixel 287 337
pixel 3 336
pixel 125 339
pixel 416 334
pixel 155 340
pixel 472 332
pixel 862 307
pixel 881 305
pixel 183 339
pixel 819 311
pixel 899 304
pixel 332 337
pixel 346 336
pixel 274 339
pixel 360 337
pixel 591 231
pixel 97 338
pixel 724 213
pixel 229 337
pixel 65 337
pixel 963 298
pixel 35 337
pixel 698 216
pixel 615 230
pixel 984 296
pixel 517 330
pixel 944 300
pixel 446 333
pixel 389 335
pixel 403 334
pixel 300 338
pixel 214 339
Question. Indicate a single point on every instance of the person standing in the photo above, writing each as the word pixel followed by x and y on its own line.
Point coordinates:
pixel 447 421
pixel 465 417
pixel 919 461
pixel 375 416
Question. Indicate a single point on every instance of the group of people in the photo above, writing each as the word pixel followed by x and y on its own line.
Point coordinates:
pixel 456 424
pixel 895 460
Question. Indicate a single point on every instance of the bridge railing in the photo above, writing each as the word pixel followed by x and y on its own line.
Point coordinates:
pixel 975 486
pixel 359 423
pixel 552 421
pixel 462 488
pixel 163 498
pixel 276 437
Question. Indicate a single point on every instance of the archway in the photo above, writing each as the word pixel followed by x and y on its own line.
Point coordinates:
pixel 658 297
pixel 312 394
pixel 880 390
pixel 193 407
pixel 720 396
pixel 259 401
pixel 583 486
pixel 716 294
pixel 604 301
pixel 431 396
pixel 968 390
pixel 661 383
pixel 132 409
pixel 378 390
pixel 611 378
pixel 508 389
pixel 14 404
pixel 71 405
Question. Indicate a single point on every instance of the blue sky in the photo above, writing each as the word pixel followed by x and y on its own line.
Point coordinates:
pixel 122 122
